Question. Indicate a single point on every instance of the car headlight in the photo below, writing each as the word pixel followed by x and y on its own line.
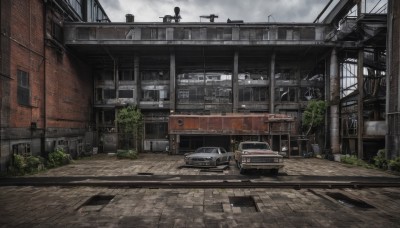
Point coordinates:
pixel 245 152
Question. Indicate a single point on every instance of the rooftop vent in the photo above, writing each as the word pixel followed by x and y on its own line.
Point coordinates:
pixel 234 21
pixel 176 18
pixel 130 18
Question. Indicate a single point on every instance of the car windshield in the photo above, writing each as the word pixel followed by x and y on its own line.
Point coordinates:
pixel 262 146
pixel 207 150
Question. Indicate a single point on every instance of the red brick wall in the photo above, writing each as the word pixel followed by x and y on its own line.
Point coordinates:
pixel 26 44
pixel 68 80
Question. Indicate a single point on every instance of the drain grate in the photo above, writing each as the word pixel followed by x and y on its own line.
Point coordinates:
pixel 349 202
pixel 98 200
pixel 245 203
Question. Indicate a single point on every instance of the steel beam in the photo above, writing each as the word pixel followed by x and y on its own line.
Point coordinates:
pixel 334 101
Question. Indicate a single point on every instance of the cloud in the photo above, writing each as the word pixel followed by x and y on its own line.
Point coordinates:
pixel 249 10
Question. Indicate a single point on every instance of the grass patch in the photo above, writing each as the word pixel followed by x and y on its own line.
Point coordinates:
pixel 353 160
pixel 127 154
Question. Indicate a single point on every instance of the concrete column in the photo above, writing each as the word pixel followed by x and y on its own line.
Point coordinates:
pixel 360 103
pixel 136 75
pixel 235 82
pixel 172 77
pixel 272 84
pixel 334 101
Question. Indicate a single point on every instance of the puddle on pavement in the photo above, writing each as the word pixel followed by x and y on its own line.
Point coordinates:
pixel 349 202
pixel 245 203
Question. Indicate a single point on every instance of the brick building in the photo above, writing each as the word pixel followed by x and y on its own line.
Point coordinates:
pixel 46 91
pixel 65 74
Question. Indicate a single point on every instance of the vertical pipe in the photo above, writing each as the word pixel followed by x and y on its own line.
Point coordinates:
pixel 235 81
pixel 272 83
pixel 360 102
pixel 388 75
pixel 334 101
pixel 172 81
pixel 136 76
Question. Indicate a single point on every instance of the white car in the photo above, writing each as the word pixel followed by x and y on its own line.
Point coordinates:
pixel 208 156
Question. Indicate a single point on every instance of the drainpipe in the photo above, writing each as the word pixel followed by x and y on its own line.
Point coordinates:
pixel 272 84
pixel 235 81
pixel 360 105
pixel 389 60
pixel 43 143
pixel 334 102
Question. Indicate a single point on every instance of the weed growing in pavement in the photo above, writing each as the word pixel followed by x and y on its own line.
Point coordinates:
pixel 127 154
pixel 353 160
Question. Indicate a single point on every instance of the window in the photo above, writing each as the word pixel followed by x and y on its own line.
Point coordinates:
pixel 253 94
pixel 156 130
pixel 126 75
pixel 23 91
pixel 57 32
pixel 125 93
pixel 109 93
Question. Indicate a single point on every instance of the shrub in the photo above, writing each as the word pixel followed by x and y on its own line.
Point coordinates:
pixel 24 165
pixel 127 154
pixel 58 158
pixel 353 160
pixel 34 164
pixel 394 164
pixel 380 160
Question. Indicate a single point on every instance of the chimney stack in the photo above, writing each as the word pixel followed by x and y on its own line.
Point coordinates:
pixel 130 18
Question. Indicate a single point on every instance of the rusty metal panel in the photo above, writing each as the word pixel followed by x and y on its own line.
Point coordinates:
pixel 230 124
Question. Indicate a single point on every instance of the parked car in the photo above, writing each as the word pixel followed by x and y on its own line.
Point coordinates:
pixel 208 156
pixel 257 155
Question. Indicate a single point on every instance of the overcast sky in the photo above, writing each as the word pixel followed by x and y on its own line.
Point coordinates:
pixel 247 10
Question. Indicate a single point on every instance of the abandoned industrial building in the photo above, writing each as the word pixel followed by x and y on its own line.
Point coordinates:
pixel 66 71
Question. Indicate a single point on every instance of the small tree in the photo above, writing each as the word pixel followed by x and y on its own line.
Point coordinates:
pixel 313 115
pixel 130 121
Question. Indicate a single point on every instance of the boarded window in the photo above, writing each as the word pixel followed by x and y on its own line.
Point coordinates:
pixel 179 33
pixel 282 33
pixel 23 91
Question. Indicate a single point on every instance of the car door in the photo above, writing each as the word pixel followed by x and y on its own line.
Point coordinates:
pixel 224 154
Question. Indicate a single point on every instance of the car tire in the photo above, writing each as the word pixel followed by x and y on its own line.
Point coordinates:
pixel 217 162
pixel 241 170
pixel 275 171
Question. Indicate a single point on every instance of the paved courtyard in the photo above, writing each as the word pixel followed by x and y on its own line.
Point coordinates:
pixel 91 206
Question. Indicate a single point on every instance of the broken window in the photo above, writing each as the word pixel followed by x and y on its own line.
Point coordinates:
pixel 23 90
pixel 23 149
pixel 155 95
pixel 285 94
pixel 310 93
pixel 108 117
